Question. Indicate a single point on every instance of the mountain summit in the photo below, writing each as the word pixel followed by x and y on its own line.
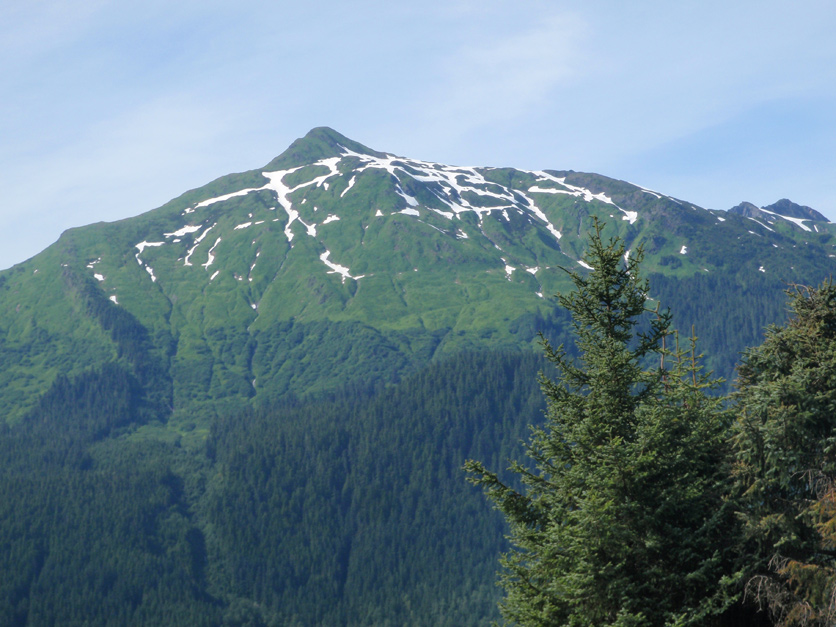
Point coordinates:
pixel 784 208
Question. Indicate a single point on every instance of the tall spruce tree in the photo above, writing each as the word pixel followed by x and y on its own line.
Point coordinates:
pixel 620 522
pixel 785 470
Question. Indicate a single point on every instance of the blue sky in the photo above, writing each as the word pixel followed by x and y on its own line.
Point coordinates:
pixel 109 109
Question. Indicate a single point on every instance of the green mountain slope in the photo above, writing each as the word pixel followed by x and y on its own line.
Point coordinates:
pixel 337 263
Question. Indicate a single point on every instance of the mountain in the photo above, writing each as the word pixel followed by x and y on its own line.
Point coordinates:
pixel 295 360
pixel 783 209
pixel 237 289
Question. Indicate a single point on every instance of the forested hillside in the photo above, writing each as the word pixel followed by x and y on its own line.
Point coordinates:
pixel 349 509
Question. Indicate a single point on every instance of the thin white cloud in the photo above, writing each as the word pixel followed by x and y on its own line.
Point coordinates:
pixel 502 77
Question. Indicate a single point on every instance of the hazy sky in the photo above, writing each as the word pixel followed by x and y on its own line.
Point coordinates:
pixel 108 109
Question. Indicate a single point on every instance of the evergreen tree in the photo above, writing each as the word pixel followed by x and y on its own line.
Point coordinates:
pixel 785 447
pixel 620 523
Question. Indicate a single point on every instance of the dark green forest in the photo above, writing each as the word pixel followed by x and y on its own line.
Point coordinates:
pixel 346 509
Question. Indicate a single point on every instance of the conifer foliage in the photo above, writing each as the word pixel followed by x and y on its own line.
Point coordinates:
pixel 620 521
pixel 785 449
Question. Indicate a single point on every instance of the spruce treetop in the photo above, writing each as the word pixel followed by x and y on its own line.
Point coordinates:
pixel 619 518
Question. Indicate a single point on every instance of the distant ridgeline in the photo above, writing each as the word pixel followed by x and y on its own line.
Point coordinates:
pixel 252 403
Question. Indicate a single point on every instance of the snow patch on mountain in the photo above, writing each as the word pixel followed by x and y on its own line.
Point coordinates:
pixel 509 270
pixel 410 200
pixel 292 216
pixel 452 185
pixel 212 201
pixel 344 272
pixel 461 189
pixel 580 192
pixel 211 256
pixel 799 222
pixel 186 261
pixel 557 234
pixel 573 190
pixel 350 185
pixel 762 224
pixel 630 216
pixel 548 190
pixel 184 231
pixel 143 245
pixel 283 192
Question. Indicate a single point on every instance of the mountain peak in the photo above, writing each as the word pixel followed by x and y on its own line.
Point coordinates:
pixel 785 207
pixel 745 209
pixel 319 143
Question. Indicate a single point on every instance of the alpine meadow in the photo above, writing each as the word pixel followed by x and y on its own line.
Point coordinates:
pixel 266 402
